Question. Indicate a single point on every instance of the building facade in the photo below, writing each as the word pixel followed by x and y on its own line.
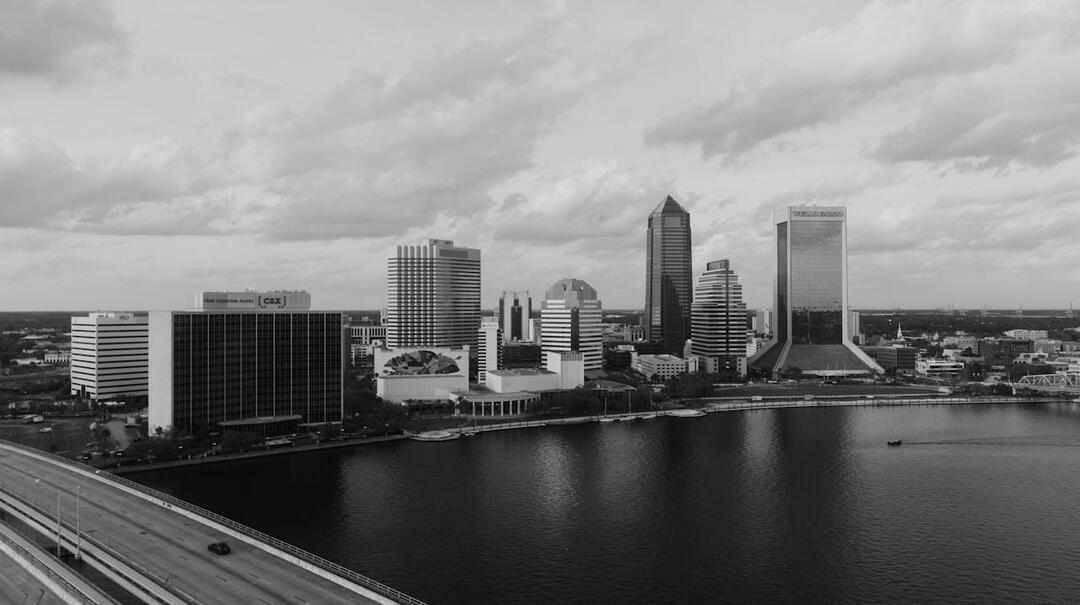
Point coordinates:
pixel 490 354
pixel 570 320
pixel 109 355
pixel 811 333
pixel 663 366
pixel 515 309
pixel 256 364
pixel 718 319
pixel 668 276
pixel 433 296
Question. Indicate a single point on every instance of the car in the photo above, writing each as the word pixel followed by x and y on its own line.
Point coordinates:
pixel 219 548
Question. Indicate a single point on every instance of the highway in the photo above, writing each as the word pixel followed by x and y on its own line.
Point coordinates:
pixel 167 544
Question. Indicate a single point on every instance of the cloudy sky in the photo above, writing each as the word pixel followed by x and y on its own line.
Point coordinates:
pixel 151 149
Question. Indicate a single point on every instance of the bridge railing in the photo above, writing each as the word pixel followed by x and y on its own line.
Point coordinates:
pixel 281 545
pixel 36 560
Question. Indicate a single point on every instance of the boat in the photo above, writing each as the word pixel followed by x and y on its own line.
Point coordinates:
pixel 609 419
pixel 896 442
pixel 686 413
pixel 649 416
pixel 435 436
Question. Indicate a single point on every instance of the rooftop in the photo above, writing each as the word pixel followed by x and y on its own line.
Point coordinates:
pixel 521 372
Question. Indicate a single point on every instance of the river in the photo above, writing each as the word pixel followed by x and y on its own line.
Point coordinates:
pixel 789 505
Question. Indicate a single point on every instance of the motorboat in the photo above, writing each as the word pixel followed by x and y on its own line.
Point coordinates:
pixel 686 413
pixel 895 442
pixel 435 436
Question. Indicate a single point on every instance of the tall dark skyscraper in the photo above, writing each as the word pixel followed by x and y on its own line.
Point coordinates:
pixel 810 331
pixel 668 277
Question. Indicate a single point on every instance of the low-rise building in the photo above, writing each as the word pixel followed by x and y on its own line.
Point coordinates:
pixel 421 374
pixel 522 379
pixel 569 365
pixel 939 368
pixel 662 365
pixel 901 359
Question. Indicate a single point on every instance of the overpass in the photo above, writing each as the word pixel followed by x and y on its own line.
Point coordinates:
pixel 146 546
pixel 1058 384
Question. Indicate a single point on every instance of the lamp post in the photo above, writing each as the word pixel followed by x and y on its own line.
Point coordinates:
pixel 58 522
pixel 78 531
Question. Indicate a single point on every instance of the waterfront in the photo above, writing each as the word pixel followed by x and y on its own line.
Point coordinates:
pixel 773 505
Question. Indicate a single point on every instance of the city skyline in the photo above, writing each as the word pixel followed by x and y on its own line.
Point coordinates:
pixel 137 166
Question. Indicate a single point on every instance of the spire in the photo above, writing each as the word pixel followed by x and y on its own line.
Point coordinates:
pixel 899 332
pixel 669 206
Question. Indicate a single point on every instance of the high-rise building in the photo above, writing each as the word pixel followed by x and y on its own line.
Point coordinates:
pixel 109 355
pixel 247 361
pixel 811 333
pixel 433 296
pixel 763 321
pixel 513 315
pixel 570 321
pixel 668 277
pixel 490 350
pixel 718 320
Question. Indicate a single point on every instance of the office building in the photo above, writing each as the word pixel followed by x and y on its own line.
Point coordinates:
pixel 668 277
pixel 662 366
pixel 109 358
pixel 570 321
pixel 514 312
pixel 1027 334
pixel 718 320
pixel 811 333
pixel 433 296
pixel 763 322
pixel 894 357
pixel 490 353
pixel 521 354
pixel 252 361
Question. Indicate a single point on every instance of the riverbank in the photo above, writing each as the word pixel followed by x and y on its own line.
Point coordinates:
pixel 709 406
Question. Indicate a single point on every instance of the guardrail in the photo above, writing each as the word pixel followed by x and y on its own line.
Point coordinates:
pixel 47 528
pixel 42 566
pixel 299 553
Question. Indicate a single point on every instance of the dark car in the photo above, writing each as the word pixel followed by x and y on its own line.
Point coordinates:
pixel 219 548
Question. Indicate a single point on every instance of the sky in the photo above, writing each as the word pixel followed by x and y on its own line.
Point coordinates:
pixel 151 149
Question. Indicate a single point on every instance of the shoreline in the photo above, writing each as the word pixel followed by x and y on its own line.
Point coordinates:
pixel 710 405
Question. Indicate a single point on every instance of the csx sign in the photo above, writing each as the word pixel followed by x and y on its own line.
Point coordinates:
pixel 274 302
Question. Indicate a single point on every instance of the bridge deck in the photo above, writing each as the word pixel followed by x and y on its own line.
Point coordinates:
pixel 167 544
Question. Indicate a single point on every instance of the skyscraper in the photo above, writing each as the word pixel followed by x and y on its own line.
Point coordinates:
pixel 513 314
pixel 433 296
pixel 810 333
pixel 668 277
pixel 570 320
pixel 718 320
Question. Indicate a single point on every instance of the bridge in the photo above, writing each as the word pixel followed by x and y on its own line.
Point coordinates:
pixel 1059 384
pixel 135 544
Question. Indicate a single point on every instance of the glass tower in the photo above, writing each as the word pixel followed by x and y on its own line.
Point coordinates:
pixel 668 277
pixel 811 334
pixel 718 319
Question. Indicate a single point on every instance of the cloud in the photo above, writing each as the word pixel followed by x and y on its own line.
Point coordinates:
pixel 1024 114
pixel 828 75
pixel 383 153
pixel 58 39
pixel 599 206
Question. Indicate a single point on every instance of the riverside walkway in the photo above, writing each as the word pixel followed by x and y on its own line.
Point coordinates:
pixel 154 546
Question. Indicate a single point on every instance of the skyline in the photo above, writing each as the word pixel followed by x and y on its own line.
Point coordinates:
pixel 137 166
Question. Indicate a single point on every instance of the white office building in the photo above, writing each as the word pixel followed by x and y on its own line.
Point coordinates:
pixel 570 321
pixel 109 355
pixel 433 295
pixel 489 355
pixel 718 319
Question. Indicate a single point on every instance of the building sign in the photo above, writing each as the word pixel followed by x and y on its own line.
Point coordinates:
pixel 254 301
pixel 797 212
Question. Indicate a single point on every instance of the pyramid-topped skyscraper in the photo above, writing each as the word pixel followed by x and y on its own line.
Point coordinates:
pixel 668 277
